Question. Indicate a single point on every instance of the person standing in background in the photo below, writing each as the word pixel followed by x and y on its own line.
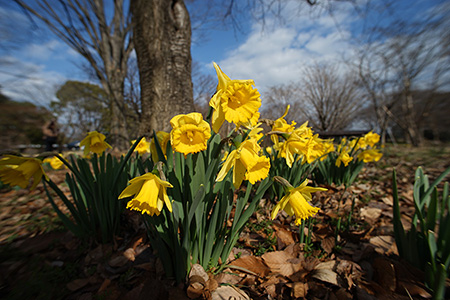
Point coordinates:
pixel 50 131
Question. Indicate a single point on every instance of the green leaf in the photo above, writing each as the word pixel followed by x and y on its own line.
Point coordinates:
pixel 76 230
pixel 432 211
pixel 161 156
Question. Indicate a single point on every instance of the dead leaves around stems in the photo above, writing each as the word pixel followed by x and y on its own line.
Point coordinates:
pixel 288 274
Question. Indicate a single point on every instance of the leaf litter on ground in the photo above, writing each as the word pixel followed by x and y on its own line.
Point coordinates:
pixel 360 261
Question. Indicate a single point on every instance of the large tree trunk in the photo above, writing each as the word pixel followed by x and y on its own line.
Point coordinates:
pixel 162 39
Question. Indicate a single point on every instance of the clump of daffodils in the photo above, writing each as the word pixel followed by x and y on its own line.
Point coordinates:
pixel 361 149
pixel 298 143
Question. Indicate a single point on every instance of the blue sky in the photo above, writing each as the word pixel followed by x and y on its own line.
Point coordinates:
pixel 271 54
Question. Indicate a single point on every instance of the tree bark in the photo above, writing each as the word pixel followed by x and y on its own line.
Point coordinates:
pixel 162 39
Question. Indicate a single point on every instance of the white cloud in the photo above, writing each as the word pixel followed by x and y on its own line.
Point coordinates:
pixel 275 55
pixel 24 81
pixel 52 49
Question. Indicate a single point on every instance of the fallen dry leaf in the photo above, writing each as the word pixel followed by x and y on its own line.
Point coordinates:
pixel 227 292
pixel 388 200
pixel 370 214
pixel 298 289
pixel 284 236
pixel 324 272
pixel 384 244
pixel 385 273
pixel 281 262
pixel 227 276
pixel 130 254
pixel 118 261
pixel 328 244
pixel 252 264
pixel 413 289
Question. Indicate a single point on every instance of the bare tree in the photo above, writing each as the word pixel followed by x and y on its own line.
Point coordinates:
pixel 330 98
pixel 407 56
pixel 376 83
pixel 277 98
pixel 104 42
pixel 204 88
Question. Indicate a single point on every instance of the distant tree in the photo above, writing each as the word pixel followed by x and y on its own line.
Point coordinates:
pixel 204 88
pixel 403 56
pixel 83 107
pixel 330 98
pixel 277 98
pixel 21 123
pixel 103 39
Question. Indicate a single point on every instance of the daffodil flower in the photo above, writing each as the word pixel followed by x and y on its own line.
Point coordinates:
pixel 16 170
pixel 295 144
pixel 143 146
pixel 303 142
pixel 236 101
pixel 163 138
pixel 295 202
pixel 190 133
pixel 246 163
pixel 94 142
pixel 281 125
pixel 371 139
pixel 344 158
pixel 370 155
pixel 149 194
pixel 54 162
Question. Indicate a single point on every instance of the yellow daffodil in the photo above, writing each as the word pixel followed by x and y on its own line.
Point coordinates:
pixel 246 163
pixel 281 125
pixel 54 162
pixel 163 138
pixel 225 155
pixel 255 131
pixel 236 101
pixel 149 194
pixel 16 170
pixel 304 143
pixel 344 158
pixel 190 133
pixel 317 148
pixel 143 146
pixel 295 202
pixel 297 143
pixel 370 155
pixel 94 142
pixel 371 139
